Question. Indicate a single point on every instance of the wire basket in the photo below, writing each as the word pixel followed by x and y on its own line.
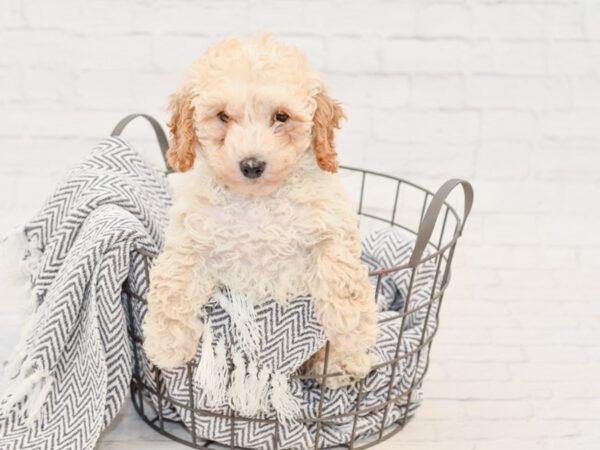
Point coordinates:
pixel 380 200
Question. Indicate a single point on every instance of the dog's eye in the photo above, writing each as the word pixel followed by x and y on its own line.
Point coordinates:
pixel 280 116
pixel 223 117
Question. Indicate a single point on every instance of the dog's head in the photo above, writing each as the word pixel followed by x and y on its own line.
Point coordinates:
pixel 252 107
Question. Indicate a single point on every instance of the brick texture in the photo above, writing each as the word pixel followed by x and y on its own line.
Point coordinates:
pixel 506 93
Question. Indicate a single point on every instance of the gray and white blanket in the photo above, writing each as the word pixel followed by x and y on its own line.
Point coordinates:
pixel 71 373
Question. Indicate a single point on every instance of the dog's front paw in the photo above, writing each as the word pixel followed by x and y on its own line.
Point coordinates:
pixel 348 370
pixel 357 366
pixel 333 382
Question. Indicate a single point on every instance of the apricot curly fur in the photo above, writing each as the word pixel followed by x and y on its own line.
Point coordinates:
pixel 182 151
pixel 287 233
pixel 327 117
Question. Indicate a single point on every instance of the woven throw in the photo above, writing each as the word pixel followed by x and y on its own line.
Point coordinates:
pixel 70 375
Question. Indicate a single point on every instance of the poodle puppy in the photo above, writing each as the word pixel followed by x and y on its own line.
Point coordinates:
pixel 262 210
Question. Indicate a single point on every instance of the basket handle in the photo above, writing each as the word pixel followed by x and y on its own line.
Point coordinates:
pixel 163 143
pixel 433 211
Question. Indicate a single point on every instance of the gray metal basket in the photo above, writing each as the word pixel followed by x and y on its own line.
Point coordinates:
pixel 436 226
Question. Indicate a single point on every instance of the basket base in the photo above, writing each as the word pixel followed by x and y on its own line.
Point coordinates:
pixel 176 430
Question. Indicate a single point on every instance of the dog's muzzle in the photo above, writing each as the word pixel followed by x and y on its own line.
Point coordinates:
pixel 252 168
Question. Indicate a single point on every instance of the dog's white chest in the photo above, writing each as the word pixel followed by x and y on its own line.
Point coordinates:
pixel 262 247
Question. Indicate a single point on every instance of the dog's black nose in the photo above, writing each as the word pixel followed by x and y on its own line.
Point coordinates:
pixel 252 167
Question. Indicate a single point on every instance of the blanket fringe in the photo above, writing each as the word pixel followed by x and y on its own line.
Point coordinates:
pixel 211 372
pixel 247 388
pixel 262 388
pixel 253 401
pixel 13 366
pixel 35 409
pixel 22 383
pixel 34 388
pixel 284 403
pixel 253 391
pixel 13 249
pixel 238 394
pixel 19 262
pixel 30 265
pixel 17 365
pixel 204 376
pixel 221 368
pixel 243 318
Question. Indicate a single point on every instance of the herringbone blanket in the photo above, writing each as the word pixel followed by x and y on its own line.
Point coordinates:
pixel 71 373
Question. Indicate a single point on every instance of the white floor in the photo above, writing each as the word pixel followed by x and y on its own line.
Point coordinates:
pixel 505 374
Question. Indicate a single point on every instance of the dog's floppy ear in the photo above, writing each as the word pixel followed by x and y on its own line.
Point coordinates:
pixel 327 117
pixel 182 146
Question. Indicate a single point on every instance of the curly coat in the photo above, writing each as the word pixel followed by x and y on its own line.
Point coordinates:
pixel 287 233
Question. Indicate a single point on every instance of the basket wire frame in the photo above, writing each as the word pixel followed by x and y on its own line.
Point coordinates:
pixel 427 248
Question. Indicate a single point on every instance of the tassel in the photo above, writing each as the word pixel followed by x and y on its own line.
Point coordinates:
pixel 221 373
pixel 212 371
pixel 205 376
pixel 35 410
pixel 30 263
pixel 262 389
pixel 243 318
pixel 237 390
pixel 17 363
pixel 22 389
pixel 14 365
pixel 284 403
pixel 13 254
pixel 13 247
pixel 253 400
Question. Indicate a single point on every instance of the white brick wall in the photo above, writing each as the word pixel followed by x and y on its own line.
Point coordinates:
pixel 504 93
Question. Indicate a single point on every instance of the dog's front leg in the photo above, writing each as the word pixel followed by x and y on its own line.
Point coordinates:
pixel 179 288
pixel 346 309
